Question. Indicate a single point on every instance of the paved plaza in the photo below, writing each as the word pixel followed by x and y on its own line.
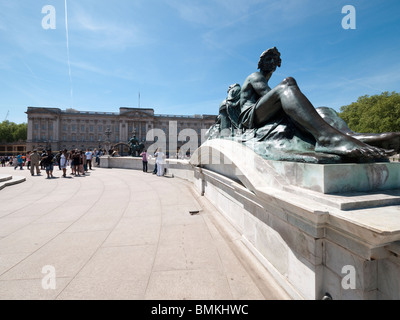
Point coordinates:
pixel 121 234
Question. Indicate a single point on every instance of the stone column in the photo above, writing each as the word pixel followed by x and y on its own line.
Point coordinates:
pixel 56 129
pixel 148 127
pixel 30 129
pixel 123 129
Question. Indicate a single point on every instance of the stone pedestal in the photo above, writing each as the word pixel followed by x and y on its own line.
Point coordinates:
pixel 317 228
pixel 340 178
pixel 125 163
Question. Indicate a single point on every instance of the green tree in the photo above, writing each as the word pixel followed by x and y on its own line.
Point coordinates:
pixel 12 132
pixel 373 114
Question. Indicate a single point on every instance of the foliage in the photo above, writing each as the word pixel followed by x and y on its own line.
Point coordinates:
pixel 12 132
pixel 373 114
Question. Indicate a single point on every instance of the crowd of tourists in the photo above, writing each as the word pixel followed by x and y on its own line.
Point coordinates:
pixel 79 161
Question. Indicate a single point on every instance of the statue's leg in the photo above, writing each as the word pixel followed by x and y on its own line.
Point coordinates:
pixel 386 140
pixel 295 104
pixel 268 106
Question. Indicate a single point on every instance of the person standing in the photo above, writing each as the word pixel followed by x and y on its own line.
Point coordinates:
pixel 82 162
pixel 20 162
pixel 63 162
pixel 47 161
pixel 71 161
pixel 28 160
pixel 89 156
pixel 57 159
pixel 98 156
pixel 35 159
pixel 155 162
pixel 76 161
pixel 160 161
pixel 144 160
pixel 42 155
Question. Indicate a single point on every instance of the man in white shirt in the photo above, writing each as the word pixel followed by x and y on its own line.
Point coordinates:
pixel 89 156
pixel 160 161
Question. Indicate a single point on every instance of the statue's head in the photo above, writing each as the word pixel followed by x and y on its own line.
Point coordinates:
pixel 269 60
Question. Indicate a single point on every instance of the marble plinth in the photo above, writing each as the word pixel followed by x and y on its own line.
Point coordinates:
pixel 309 224
pixel 340 178
pixel 344 186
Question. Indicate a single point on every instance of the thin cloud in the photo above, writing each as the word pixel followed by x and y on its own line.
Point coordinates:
pixel 96 32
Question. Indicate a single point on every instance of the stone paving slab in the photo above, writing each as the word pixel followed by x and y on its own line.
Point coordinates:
pixel 121 234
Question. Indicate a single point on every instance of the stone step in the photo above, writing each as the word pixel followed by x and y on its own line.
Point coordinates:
pixel 7 180
pixel 350 200
pixel 5 177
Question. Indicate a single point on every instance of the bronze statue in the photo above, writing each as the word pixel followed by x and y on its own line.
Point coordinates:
pixel 136 147
pixel 282 124
pixel 229 109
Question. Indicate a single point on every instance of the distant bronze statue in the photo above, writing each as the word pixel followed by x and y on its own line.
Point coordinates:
pixel 281 123
pixel 136 147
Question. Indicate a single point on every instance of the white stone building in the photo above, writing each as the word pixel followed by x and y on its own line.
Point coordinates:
pixel 72 129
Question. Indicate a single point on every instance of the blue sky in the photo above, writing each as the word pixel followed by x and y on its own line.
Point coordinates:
pixel 182 55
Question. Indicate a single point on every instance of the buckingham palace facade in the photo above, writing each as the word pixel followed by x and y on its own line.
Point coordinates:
pixel 72 129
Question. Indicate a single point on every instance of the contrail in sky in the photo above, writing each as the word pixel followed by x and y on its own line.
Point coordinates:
pixel 69 63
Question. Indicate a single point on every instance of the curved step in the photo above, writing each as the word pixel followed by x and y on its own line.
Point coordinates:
pixel 5 177
pixel 8 180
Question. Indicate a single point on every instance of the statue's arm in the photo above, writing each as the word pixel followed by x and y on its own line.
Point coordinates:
pixel 259 83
